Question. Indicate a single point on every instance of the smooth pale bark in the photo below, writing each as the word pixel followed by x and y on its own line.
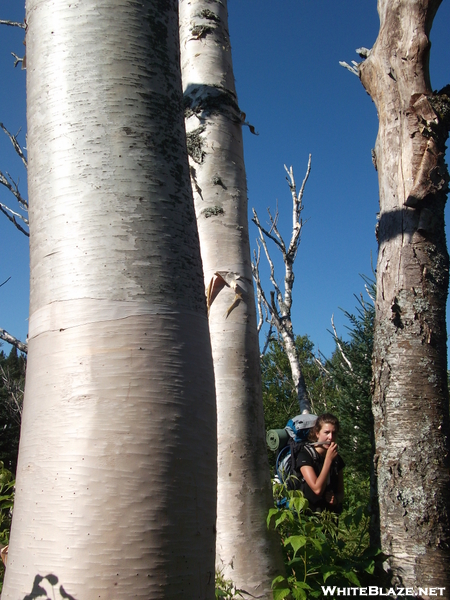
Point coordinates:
pixel 117 467
pixel 247 553
pixel 410 402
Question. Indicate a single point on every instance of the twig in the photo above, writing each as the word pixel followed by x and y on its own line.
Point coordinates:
pixel 353 69
pixel 15 143
pixel 11 216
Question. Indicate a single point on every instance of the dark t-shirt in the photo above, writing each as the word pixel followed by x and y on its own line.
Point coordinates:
pixel 304 459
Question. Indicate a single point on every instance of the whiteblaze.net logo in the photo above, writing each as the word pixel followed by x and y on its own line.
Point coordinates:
pixel 333 590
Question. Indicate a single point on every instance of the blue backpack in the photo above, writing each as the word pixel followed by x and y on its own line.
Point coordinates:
pixel 298 429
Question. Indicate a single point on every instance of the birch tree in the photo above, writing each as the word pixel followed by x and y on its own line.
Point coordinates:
pixel 246 552
pixel 410 402
pixel 116 480
pixel 278 310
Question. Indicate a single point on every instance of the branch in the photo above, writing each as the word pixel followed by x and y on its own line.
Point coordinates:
pixel 262 240
pixel 275 238
pixel 18 60
pixel 353 69
pixel 338 344
pixel 15 143
pixel 267 342
pixel 262 304
pixel 12 217
pixel 275 318
pixel 13 24
pixel 5 336
pixel 259 294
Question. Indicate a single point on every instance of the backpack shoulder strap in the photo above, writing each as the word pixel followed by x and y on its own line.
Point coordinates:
pixel 314 455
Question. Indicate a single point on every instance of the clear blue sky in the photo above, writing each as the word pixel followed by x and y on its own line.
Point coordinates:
pixel 290 85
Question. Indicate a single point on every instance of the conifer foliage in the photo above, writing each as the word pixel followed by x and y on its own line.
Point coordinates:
pixel 12 380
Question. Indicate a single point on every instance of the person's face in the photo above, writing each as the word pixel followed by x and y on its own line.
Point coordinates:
pixel 327 433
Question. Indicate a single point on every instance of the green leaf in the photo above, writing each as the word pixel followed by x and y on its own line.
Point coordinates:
pixel 296 541
pixel 303 585
pixel 279 594
pixel 328 573
pixel 315 543
pixel 351 576
pixel 299 594
pixel 280 588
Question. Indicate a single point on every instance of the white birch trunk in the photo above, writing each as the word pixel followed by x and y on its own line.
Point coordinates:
pixel 117 468
pixel 410 403
pixel 246 552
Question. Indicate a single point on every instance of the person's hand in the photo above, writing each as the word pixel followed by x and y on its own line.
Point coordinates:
pixel 330 497
pixel 332 452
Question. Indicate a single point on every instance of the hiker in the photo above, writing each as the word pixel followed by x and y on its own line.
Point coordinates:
pixel 321 466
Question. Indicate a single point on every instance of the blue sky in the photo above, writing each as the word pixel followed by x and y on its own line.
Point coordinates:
pixel 301 101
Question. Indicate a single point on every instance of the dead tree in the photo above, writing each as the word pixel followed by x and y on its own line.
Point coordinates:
pixel 277 310
pixel 410 389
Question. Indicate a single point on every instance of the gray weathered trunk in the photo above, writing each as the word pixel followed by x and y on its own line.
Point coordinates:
pixel 116 480
pixel 410 401
pixel 246 552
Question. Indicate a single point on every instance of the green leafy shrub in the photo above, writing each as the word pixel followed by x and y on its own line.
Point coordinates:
pixel 225 589
pixel 321 549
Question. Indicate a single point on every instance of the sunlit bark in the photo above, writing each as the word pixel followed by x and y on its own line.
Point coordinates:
pixel 116 479
pixel 410 402
pixel 246 552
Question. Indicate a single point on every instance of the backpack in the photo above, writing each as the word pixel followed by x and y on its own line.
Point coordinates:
pixel 298 429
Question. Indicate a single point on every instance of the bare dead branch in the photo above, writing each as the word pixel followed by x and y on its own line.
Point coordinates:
pixel 278 309
pixel 338 344
pixel 11 216
pixel 369 293
pixel 16 145
pixel 353 69
pixel 268 233
pixel 13 24
pixel 259 303
pixel 13 187
pixel 7 337
pixel 18 60
pixel 262 241
pixel 321 366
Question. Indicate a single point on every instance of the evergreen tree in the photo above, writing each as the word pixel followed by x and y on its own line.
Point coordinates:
pixel 350 369
pixel 279 393
pixel 12 379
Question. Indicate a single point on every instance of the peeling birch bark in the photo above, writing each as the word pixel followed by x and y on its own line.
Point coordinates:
pixel 246 552
pixel 116 481
pixel 410 402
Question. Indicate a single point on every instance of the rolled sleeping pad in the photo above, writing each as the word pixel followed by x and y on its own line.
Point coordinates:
pixel 277 439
